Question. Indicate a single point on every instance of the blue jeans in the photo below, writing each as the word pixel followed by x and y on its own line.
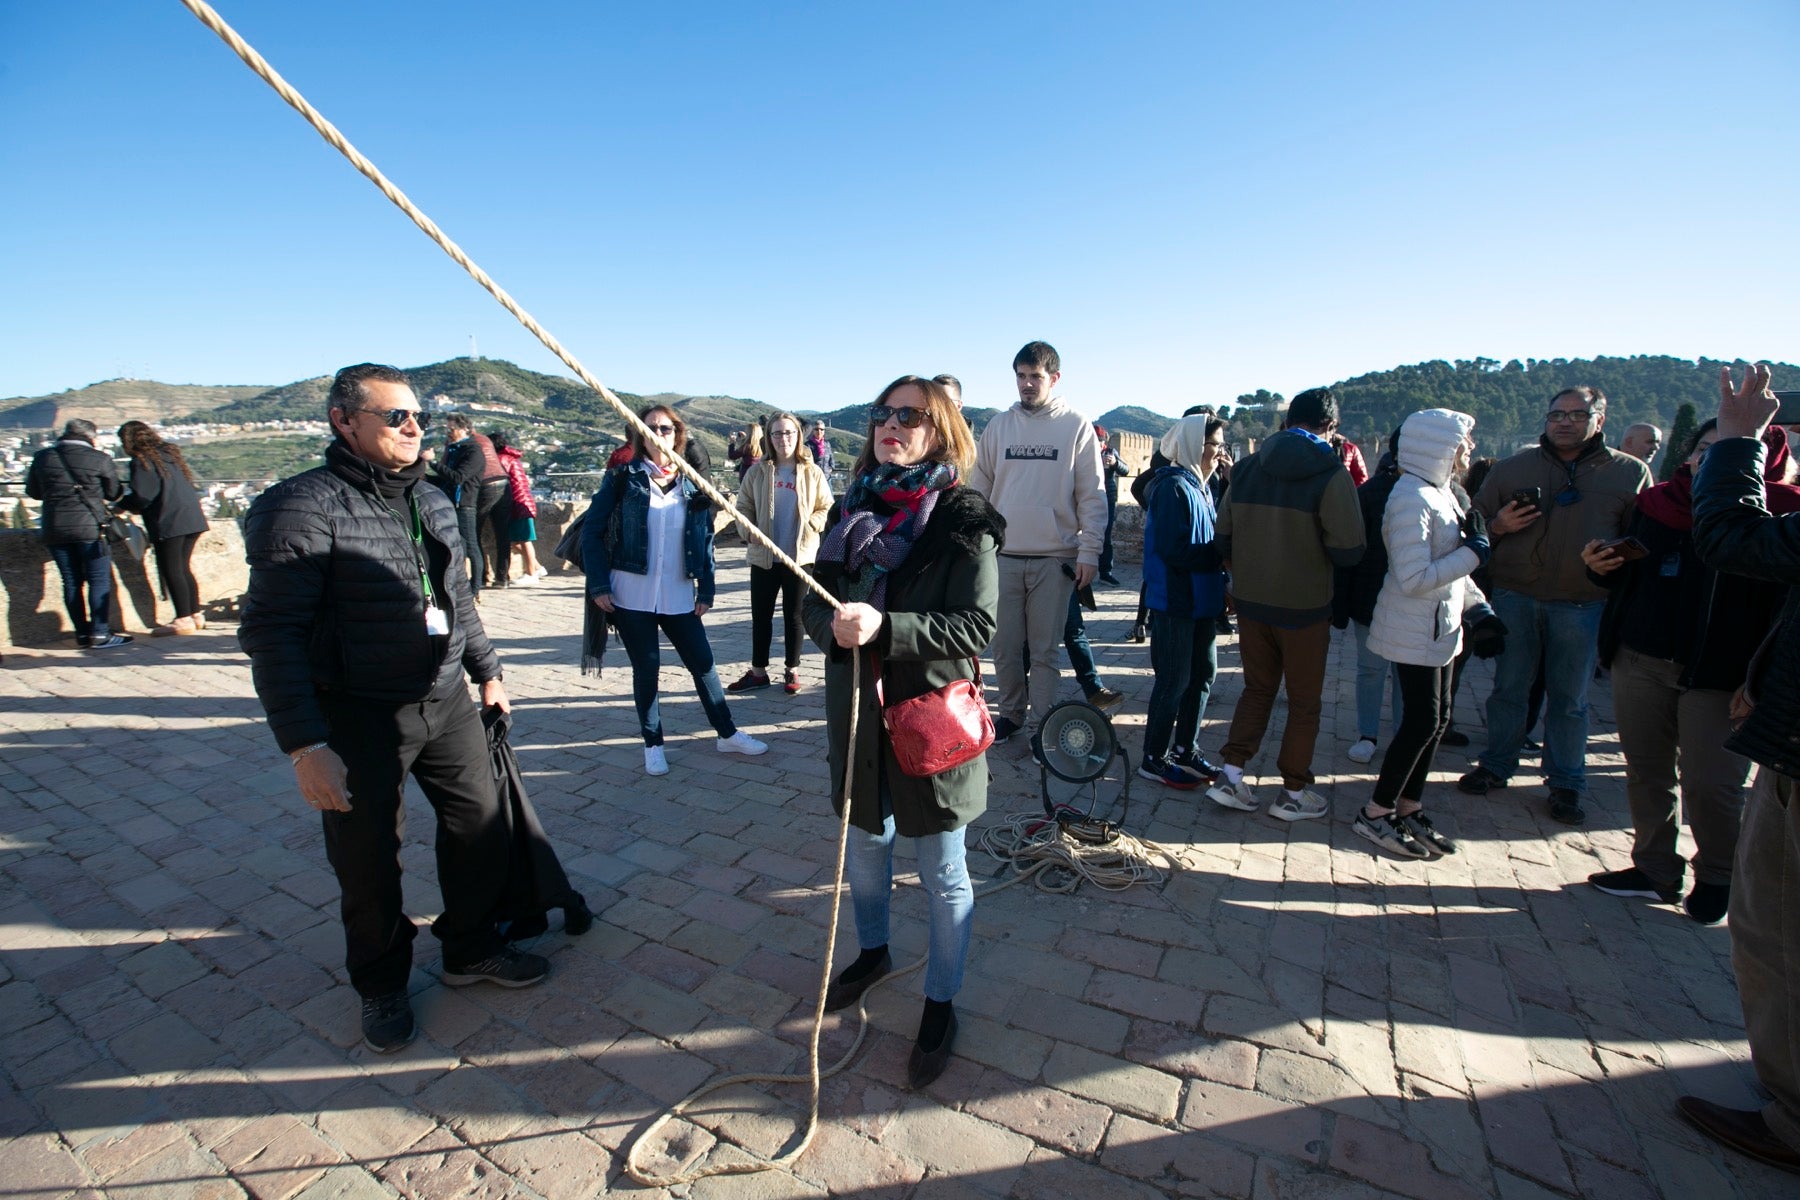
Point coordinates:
pixel 944 874
pixel 1372 672
pixel 1562 635
pixel 86 565
pixel 637 630
pixel 1184 656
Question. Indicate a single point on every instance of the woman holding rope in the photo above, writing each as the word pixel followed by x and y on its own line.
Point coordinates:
pixel 912 553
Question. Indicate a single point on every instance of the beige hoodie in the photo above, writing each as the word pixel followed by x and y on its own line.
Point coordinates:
pixel 1041 470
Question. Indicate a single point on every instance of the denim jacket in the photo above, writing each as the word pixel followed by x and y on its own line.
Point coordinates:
pixel 627 488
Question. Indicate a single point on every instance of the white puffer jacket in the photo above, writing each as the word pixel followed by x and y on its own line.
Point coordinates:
pixel 1418 615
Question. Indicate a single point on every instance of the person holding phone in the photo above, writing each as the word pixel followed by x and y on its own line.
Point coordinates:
pixel 1542 507
pixel 1679 637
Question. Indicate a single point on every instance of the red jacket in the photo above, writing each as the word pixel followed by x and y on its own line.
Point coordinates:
pixel 1353 462
pixel 514 464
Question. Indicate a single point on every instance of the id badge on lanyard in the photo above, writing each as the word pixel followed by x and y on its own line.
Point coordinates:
pixel 437 621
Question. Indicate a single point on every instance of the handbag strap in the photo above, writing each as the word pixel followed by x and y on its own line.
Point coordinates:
pixel 880 700
pixel 97 512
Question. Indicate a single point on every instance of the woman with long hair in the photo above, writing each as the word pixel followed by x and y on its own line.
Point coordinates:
pixel 785 496
pixel 162 491
pixel 647 546
pixel 749 451
pixel 912 553
pixel 521 528
pixel 1678 637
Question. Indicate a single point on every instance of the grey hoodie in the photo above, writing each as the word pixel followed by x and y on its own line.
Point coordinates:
pixel 1041 470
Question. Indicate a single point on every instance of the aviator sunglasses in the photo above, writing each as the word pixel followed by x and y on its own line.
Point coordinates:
pixel 394 418
pixel 908 416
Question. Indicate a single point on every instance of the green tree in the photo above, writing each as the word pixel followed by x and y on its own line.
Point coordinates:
pixel 1686 421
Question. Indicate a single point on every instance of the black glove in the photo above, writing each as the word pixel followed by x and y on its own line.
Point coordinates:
pixel 1475 536
pixel 1486 632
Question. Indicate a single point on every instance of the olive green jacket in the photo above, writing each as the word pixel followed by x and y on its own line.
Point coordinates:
pixel 940 610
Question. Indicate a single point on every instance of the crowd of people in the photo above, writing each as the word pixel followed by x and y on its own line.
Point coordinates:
pixel 1561 563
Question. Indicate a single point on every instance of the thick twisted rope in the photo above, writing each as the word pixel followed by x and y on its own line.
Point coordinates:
pixel 213 21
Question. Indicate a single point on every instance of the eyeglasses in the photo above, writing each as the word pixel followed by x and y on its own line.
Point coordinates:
pixel 908 416
pixel 394 418
pixel 1574 416
pixel 663 430
pixel 786 435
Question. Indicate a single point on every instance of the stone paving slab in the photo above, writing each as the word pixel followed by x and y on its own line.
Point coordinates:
pixel 1289 1015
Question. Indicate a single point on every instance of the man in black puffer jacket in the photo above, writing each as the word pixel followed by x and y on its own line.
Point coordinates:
pixel 76 481
pixel 360 626
pixel 1734 532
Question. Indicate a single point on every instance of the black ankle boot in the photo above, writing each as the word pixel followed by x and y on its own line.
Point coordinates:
pixel 931 1052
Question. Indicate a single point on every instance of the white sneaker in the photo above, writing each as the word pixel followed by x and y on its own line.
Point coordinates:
pixel 742 743
pixel 524 581
pixel 1309 806
pixel 541 571
pixel 1363 751
pixel 1234 795
pixel 655 761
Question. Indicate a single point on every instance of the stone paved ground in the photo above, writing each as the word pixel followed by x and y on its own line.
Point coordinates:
pixel 1288 1017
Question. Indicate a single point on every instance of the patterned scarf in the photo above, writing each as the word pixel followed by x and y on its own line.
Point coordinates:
pixel 884 513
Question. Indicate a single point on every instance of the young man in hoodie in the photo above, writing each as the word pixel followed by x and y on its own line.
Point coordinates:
pixel 1038 463
pixel 1288 523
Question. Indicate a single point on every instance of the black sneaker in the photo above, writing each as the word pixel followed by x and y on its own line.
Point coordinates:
pixel 1390 834
pixel 1480 782
pixel 1138 634
pixel 509 968
pixel 387 1022
pixel 1565 806
pixel 83 641
pixel 1004 729
pixel 1633 882
pixel 1420 826
pixel 1105 699
pixel 1111 580
pixel 1455 738
pixel 1195 764
pixel 109 641
pixel 1708 902
pixel 1167 773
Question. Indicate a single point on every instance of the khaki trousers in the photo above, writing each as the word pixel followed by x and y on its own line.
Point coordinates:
pixel 1269 655
pixel 1765 944
pixel 1034 605
pixel 1662 723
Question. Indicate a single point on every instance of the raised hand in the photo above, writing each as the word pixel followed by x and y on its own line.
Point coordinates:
pixel 1746 411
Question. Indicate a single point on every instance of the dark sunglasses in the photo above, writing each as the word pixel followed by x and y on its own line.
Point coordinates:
pixel 394 418
pixel 908 416
pixel 663 430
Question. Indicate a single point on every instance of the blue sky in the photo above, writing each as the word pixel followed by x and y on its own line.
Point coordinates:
pixel 798 203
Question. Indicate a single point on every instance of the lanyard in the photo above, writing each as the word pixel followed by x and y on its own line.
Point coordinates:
pixel 417 532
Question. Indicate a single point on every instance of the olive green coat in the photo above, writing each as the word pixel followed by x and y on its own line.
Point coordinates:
pixel 940 607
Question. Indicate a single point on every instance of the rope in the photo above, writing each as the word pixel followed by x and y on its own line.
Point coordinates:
pixel 1063 854
pixel 213 21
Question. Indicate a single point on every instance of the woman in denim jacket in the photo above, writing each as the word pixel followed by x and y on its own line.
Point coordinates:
pixel 647 545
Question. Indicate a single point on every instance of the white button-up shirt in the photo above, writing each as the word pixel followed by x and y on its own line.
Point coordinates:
pixel 666 586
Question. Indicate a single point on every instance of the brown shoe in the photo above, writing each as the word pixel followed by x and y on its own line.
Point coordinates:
pixel 1742 1130
pixel 179 627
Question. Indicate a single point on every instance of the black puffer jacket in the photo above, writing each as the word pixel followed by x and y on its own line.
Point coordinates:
pixel 335 602
pixel 168 502
pixel 1358 586
pixel 68 519
pixel 1734 532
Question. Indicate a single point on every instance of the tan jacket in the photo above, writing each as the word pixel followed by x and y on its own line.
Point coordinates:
pixel 756 501
pixel 1543 560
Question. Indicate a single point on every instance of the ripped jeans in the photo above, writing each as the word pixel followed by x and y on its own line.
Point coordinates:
pixel 944 873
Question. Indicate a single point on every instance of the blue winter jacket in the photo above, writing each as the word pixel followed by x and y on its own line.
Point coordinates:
pixel 627 488
pixel 1184 575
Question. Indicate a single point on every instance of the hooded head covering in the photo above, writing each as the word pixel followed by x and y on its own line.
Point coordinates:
pixel 1428 443
pixel 1185 441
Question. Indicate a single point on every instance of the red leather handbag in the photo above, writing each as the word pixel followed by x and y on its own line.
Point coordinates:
pixel 940 729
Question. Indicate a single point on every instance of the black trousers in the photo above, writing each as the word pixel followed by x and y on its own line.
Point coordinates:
pixel 493 503
pixel 765 582
pixel 174 562
pixel 1424 716
pixel 441 744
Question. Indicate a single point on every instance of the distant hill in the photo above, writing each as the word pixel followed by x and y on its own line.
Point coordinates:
pixel 111 403
pixel 1131 419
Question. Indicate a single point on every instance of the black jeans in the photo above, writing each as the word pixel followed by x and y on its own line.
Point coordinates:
pixel 86 566
pixel 494 504
pixel 442 745
pixel 765 582
pixel 1424 716
pixel 468 527
pixel 1185 658
pixel 174 562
